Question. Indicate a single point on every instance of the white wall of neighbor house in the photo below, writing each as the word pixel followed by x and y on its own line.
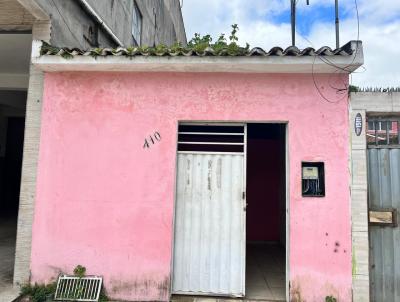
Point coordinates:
pixel 20 22
pixel 40 31
pixel 364 103
pixel 17 17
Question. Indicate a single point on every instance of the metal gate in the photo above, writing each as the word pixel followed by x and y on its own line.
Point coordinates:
pixel 209 247
pixel 384 203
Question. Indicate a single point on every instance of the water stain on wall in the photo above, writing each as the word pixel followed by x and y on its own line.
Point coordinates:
pixel 145 289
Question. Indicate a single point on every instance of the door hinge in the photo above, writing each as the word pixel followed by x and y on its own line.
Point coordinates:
pixel 243 195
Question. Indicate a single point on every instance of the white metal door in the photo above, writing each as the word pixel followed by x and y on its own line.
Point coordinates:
pixel 209 249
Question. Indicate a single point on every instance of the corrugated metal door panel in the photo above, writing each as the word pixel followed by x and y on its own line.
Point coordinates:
pixel 209 225
pixel 384 193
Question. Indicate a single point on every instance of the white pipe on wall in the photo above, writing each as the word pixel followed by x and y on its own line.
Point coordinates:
pixel 93 13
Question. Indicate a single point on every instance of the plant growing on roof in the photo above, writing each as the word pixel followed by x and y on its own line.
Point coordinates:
pixel 221 46
pixel 198 44
pixel 95 52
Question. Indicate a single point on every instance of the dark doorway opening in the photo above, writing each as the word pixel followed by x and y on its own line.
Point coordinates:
pixel 266 212
pixel 12 127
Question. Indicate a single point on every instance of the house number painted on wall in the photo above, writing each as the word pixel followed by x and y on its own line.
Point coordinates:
pixel 151 140
pixel 358 124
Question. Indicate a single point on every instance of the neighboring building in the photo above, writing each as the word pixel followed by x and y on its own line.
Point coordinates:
pixel 71 23
pixel 375 202
pixel 79 23
pixel 168 175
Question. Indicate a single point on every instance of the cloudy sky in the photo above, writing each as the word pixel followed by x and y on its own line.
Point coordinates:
pixel 266 23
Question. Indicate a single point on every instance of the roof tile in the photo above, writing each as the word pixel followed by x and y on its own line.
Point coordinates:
pixel 345 50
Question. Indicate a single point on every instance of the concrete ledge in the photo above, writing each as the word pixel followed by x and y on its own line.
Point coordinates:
pixel 197 64
pixel 237 64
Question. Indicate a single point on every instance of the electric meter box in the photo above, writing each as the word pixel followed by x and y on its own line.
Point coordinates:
pixel 313 179
pixel 310 173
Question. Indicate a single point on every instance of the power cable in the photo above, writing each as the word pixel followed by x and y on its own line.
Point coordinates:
pixel 318 89
pixel 328 62
pixel 338 68
pixel 314 80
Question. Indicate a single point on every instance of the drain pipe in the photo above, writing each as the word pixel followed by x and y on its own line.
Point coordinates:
pixel 99 20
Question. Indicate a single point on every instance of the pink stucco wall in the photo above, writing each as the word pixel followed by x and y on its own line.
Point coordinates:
pixel 105 202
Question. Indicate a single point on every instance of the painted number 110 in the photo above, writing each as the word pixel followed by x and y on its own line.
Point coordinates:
pixel 151 140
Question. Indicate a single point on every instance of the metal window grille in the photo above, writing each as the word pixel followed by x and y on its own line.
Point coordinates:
pixel 71 288
pixel 383 132
pixel 211 138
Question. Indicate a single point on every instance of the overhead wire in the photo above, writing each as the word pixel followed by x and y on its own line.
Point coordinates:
pixel 344 90
pixel 357 47
pixel 313 74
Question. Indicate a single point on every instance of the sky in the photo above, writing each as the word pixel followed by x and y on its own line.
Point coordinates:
pixel 266 23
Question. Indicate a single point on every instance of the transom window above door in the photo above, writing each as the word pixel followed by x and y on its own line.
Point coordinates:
pixel 211 138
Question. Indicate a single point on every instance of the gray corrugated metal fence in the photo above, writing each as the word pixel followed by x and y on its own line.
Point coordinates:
pixel 384 193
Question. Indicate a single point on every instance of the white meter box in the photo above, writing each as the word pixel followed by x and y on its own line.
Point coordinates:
pixel 310 172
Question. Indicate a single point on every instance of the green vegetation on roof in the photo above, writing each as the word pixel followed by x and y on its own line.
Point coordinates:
pixel 353 88
pixel 199 44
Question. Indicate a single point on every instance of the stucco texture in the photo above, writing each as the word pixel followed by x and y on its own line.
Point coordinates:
pixel 105 202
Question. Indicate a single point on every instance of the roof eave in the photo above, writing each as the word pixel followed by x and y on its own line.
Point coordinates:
pixel 234 64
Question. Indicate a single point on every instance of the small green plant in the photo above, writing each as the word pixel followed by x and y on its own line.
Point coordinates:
pixel 66 55
pixel 39 292
pixel 80 271
pixel 330 299
pixel 199 44
pixel 353 88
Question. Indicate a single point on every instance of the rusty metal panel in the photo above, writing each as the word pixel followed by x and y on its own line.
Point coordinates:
pixel 384 194
pixel 209 249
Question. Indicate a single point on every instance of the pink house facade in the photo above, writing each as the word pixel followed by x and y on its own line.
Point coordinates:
pixel 118 136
